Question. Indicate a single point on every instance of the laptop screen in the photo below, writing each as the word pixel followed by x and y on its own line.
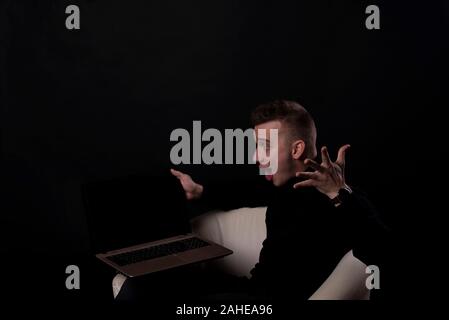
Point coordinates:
pixel 128 211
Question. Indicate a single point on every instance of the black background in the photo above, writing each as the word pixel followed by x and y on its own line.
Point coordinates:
pixel 100 102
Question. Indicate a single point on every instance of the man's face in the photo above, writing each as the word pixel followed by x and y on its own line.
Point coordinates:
pixel 282 148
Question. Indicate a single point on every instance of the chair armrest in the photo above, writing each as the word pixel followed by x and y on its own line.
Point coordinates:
pixel 346 282
pixel 117 283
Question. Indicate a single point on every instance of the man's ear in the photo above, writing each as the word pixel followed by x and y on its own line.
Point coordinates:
pixel 298 148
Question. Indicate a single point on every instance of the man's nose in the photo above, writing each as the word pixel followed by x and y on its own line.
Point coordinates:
pixel 261 159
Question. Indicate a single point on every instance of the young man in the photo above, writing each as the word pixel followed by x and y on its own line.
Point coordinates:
pixel 313 217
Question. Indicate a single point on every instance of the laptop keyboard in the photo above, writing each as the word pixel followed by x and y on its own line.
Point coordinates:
pixel 158 251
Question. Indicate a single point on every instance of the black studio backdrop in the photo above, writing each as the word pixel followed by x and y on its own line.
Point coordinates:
pixel 101 102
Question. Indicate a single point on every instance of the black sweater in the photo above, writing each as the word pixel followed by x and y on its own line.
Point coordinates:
pixel 306 234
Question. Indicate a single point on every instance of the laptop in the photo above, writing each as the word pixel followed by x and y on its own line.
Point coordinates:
pixel 140 225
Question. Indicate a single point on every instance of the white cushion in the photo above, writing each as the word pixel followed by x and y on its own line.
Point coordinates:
pixel 241 230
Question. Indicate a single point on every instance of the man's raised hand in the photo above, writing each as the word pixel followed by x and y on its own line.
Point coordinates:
pixel 328 177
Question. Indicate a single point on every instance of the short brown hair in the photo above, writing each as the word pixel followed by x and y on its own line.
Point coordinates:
pixel 293 115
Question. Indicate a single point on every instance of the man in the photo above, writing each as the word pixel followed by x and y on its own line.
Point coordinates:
pixel 313 217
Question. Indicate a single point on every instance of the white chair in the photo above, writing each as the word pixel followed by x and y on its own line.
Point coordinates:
pixel 243 231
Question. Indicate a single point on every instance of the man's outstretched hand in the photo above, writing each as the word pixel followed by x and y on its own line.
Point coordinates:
pixel 192 189
pixel 328 177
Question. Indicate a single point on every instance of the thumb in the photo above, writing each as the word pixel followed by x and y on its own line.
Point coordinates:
pixel 341 155
pixel 176 173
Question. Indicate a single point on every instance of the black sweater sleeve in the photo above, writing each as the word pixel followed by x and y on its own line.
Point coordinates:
pixel 228 195
pixel 368 235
